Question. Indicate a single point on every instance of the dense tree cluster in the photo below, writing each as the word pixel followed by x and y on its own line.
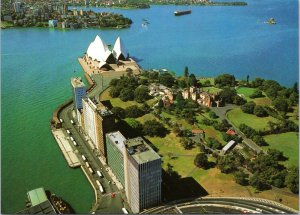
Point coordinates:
pixel 252 134
pixel 228 95
pixel 225 80
pixel 213 143
pixel 230 162
pixel 154 128
pixel 267 171
pixel 292 179
pixel 130 112
pixel 127 88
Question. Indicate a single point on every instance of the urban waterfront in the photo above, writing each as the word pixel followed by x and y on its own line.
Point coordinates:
pixel 37 65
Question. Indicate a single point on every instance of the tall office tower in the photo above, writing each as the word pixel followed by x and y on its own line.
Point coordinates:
pixel 142 175
pixel 98 121
pixel 115 154
pixel 79 92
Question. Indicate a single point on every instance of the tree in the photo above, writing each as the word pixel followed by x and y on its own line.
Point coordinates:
pixel 141 94
pixel 256 94
pixel 259 140
pixel 213 115
pixel 227 95
pixel 248 78
pixel 201 161
pixel 126 94
pixel 292 179
pixel 133 123
pixel 259 182
pixel 280 104
pixel 238 100
pixel 180 102
pixel 192 80
pixel 248 107
pixel 225 80
pixel 276 154
pixel 241 178
pixel 154 128
pixel 186 72
pixel 114 82
pixel 160 104
pixel 133 111
pixel 213 143
pixel 181 83
pixel 187 143
pixel 260 111
pixel 119 112
pixel 114 92
pixel 227 163
pixel 166 79
pixel 257 82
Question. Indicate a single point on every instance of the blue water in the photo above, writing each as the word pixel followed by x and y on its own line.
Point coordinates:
pixel 36 66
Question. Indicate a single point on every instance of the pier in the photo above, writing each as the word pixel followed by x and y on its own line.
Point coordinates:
pixel 64 145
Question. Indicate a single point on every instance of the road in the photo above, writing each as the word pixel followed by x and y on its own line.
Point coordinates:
pixel 222 205
pixel 105 203
pixel 221 112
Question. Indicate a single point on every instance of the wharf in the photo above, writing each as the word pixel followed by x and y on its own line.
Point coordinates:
pixel 65 147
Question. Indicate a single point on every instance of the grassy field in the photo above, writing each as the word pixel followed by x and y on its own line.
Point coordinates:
pixel 237 117
pixel 288 143
pixel 211 79
pixel 212 180
pixel 247 91
pixel 211 89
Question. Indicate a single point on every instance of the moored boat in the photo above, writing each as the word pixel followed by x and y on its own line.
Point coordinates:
pixel 59 205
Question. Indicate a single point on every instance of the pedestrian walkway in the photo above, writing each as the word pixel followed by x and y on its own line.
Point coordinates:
pixel 65 147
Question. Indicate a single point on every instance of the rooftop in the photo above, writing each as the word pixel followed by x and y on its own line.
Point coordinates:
pixel 140 150
pixel 117 139
pixel 77 82
pixel 37 196
pixel 228 145
pixel 98 107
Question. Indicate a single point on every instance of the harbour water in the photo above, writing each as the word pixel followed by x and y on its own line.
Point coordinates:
pixel 36 66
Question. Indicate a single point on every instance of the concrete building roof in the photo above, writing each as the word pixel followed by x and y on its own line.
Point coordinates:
pixel 37 196
pixel 98 50
pixel 77 82
pixel 228 145
pixel 118 140
pixel 140 150
pixel 119 49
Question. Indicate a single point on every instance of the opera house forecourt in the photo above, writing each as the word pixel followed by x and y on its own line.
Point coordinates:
pixel 100 59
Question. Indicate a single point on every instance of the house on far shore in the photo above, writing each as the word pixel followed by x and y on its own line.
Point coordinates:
pixel 230 145
pixel 52 23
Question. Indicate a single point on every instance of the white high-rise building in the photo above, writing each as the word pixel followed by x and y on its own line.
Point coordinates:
pixel 142 175
pixel 79 92
pixel 98 121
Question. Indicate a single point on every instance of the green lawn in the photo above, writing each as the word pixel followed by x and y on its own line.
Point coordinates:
pixel 288 143
pixel 246 91
pixel 212 80
pixel 211 89
pixel 237 117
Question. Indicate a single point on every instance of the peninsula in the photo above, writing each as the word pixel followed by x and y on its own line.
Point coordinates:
pixel 207 131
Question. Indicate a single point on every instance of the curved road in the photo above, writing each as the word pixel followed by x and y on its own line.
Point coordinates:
pixel 224 205
pixel 105 203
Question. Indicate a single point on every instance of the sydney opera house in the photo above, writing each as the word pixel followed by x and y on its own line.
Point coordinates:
pixel 99 58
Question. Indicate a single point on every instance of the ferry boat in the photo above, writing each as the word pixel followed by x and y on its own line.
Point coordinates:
pixel 271 21
pixel 183 12
pixel 60 206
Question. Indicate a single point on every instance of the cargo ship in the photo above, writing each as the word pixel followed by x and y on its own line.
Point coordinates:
pixel 183 12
